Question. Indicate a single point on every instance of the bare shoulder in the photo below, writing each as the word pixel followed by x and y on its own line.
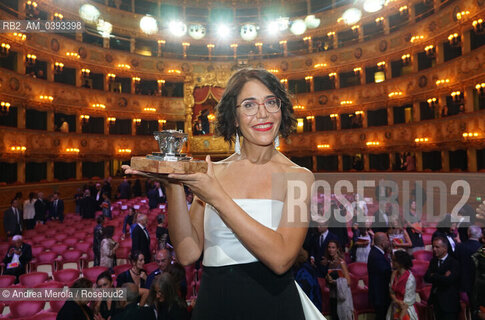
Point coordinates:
pixel 292 168
pixel 222 164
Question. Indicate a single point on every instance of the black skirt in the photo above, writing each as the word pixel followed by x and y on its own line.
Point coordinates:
pixel 247 291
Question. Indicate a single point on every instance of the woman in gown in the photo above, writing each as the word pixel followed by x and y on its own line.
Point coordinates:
pixel 244 216
pixel 402 288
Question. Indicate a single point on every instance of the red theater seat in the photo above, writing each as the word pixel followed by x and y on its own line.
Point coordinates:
pixel 21 309
pixel 6 280
pixel 50 284
pixel 46 258
pixel 361 302
pixel 34 278
pixel 358 269
pixel 150 267
pixel 121 268
pixel 66 276
pixel 45 316
pixel 93 273
pixel 71 256
pixel 423 255
pixel 56 305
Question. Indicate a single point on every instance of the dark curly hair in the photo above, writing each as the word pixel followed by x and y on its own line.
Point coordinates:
pixel 403 258
pixel 226 108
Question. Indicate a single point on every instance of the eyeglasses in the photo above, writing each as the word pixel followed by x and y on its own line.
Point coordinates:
pixel 251 107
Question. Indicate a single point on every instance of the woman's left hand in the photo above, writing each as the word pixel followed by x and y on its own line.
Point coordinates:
pixel 204 185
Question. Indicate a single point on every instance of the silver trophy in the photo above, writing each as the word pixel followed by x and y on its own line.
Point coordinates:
pixel 170 143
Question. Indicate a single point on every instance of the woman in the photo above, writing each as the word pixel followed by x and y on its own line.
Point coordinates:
pixel 29 211
pixel 108 248
pixel 77 309
pixel 414 228
pixel 164 298
pixel 398 236
pixel 337 268
pixel 402 288
pixel 362 240
pixel 162 232
pixel 237 206
pixel 178 275
pixel 106 308
pixel 136 274
pixel 306 276
pixel 106 206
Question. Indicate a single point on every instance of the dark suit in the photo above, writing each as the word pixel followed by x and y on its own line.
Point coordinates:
pixel 380 224
pixel 464 252
pixel 444 294
pixel 140 242
pixel 57 211
pixel 154 198
pixel 24 259
pixel 318 250
pixel 12 223
pixel 124 190
pixel 379 271
pixel 98 196
pixel 133 311
pixel 41 207
pixel 444 235
pixel 87 207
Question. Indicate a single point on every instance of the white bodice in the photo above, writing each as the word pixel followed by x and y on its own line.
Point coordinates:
pixel 221 246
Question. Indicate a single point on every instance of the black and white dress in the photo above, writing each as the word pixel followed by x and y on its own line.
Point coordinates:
pixel 235 285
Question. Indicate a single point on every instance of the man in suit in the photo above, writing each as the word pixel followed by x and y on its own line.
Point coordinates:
pixel 379 271
pixel 162 258
pixel 140 239
pixel 443 274
pixel 99 196
pixel 17 257
pixel 319 243
pixel 124 189
pixel 57 207
pixel 87 207
pixel 464 251
pixel 12 219
pixel 155 195
pixel 130 309
pixel 41 207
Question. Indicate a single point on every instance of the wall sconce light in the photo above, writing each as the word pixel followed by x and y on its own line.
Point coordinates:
pixel 136 80
pixel 334 116
pixel 457 96
pixel 18 149
pixel 58 67
pixel 72 150
pixel 58 17
pixel 310 117
pixel 462 14
pixel 320 65
pixel 74 55
pixel 211 117
pixel 160 82
pixel 416 38
pixel 359 113
pixel 111 120
pixel 111 77
pixel 471 135
pixel 355 29
pixel 432 102
pixel 148 109
pixel 98 106
pixel 332 76
pixel 282 42
pixel 394 94
pixel 84 118
pixel 308 78
pixel 46 98
pixel 357 71
pixel 174 71
pixel 381 66
pixel 273 70
pixel 406 59
pixel 404 10
pixel 380 21
pixel 480 87
pixel 442 81
pixel 479 26
pixel 160 42
pixel 284 81
pixel 30 59
pixel 85 72
pixel 298 107
pixel 372 143
pixel 20 36
pixel 346 102
pixel 124 66
pixel 161 122
pixel 124 150
pixel 31 5
pixel 4 49
pixel 4 107
pixel 421 140
pixel 137 121
pixel 454 39
pixel 430 51
pixel 323 146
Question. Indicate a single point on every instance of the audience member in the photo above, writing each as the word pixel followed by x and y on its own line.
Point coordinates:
pixel 319 243
pixel 155 195
pixel 464 252
pixel 140 239
pixel 178 273
pixel 136 273
pixel 40 206
pixel 398 237
pixel 137 188
pixel 108 248
pixel 447 229
pixel 56 210
pixel 381 217
pixel 77 199
pixel 414 227
pixel 29 211
pixel 165 300
pixel 162 232
pixel 77 309
pixel 106 308
pixel 337 269
pixel 306 277
pixel 98 196
pixel 162 258
pixel 443 274
pixel 128 220
pixel 12 219
pixel 97 237
pixel 17 258
pixel 106 206
pixel 362 239
pixel 107 186
pixel 131 309
pixel 88 206
pixel 335 226
pixel 403 288
pixel 379 271
pixel 124 189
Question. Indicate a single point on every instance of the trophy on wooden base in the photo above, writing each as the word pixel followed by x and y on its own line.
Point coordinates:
pixel 169 159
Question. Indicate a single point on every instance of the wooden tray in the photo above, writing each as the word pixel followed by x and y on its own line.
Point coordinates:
pixel 165 167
